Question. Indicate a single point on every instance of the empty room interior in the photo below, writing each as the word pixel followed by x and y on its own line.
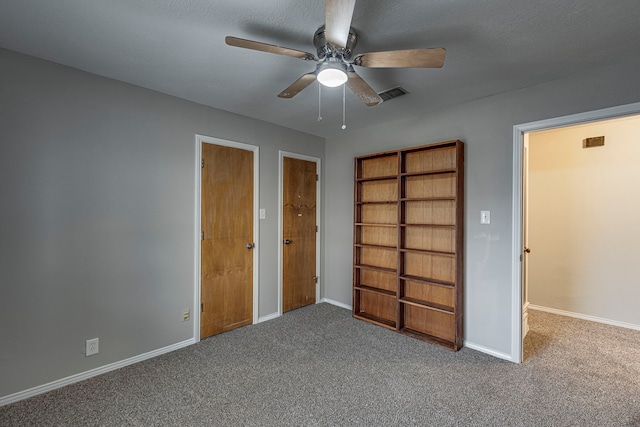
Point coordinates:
pixel 319 212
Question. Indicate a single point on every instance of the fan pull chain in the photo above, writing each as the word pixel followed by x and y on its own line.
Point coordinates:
pixel 344 124
pixel 319 102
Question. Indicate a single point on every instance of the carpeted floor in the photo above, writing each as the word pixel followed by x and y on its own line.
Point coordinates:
pixel 319 366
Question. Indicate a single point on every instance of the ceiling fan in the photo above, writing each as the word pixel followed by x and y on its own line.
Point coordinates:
pixel 335 42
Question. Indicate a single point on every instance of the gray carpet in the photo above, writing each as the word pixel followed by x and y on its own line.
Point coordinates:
pixel 319 366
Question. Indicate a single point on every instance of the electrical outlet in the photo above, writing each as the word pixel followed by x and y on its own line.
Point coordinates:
pixel 92 347
pixel 186 315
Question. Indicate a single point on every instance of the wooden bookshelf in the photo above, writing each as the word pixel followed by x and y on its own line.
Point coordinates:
pixel 408 241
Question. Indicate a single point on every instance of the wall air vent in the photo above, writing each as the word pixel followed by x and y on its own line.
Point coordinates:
pixel 388 95
pixel 596 141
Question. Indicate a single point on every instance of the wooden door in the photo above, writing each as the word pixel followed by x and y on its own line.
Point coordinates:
pixel 227 227
pixel 299 233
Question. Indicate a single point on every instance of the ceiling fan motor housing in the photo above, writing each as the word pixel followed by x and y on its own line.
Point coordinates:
pixel 325 50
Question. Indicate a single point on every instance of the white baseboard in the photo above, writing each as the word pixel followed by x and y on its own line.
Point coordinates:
pixel 328 301
pixel 21 395
pixel 585 317
pixel 468 344
pixel 268 317
pixel 489 351
pixel 336 303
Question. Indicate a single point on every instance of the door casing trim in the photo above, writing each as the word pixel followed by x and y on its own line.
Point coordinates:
pixel 317 161
pixel 203 139
pixel 517 207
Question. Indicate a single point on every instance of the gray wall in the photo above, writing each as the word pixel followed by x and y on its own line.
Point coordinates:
pixel 486 126
pixel 97 200
pixel 97 216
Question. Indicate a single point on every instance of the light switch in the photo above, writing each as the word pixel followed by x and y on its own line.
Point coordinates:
pixel 485 217
pixel 263 214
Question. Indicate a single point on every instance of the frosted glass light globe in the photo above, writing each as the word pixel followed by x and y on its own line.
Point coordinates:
pixel 332 77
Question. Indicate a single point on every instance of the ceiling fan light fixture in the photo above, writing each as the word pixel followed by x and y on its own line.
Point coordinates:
pixel 332 75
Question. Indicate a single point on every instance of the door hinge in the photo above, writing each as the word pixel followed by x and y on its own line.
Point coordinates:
pixel 202 235
pixel 202 308
pixel 317 177
pixel 316 228
pixel 202 163
pixel 315 279
pixel 520 258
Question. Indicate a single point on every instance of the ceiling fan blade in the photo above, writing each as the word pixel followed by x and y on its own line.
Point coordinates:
pixel 298 86
pixel 362 89
pixel 338 14
pixel 270 48
pixel 412 58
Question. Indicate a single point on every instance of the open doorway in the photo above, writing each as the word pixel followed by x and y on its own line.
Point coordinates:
pixel 578 222
pixel 521 212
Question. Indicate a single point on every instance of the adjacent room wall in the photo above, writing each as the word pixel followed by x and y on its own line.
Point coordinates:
pixel 583 209
pixel 486 126
pixel 97 230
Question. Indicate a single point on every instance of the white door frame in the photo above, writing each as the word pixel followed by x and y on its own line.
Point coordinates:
pixel 316 160
pixel 202 139
pixel 517 207
pixel 524 265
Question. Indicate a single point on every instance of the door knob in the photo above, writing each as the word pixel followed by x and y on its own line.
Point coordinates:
pixel 287 241
pixel 527 250
pixel 250 245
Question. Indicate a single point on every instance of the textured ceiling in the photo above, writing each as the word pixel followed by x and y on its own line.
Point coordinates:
pixel 177 47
